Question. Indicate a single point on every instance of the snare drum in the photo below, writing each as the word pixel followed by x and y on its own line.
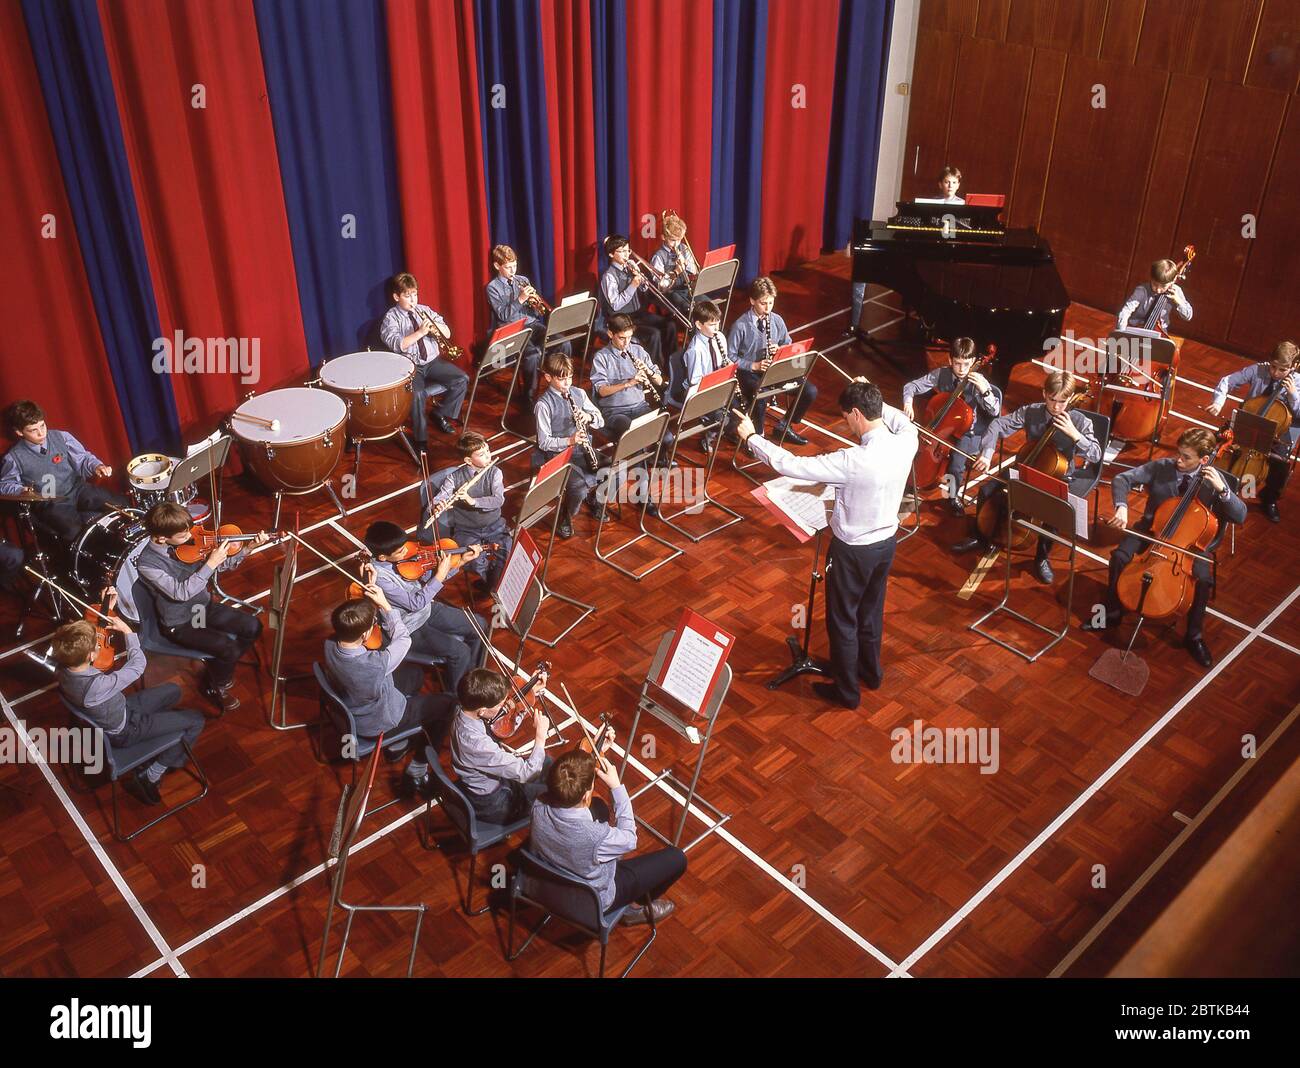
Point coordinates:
pixel 297 456
pixel 149 476
pixel 103 546
pixel 377 387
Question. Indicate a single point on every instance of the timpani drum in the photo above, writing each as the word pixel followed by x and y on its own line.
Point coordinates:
pixel 377 387
pixel 292 439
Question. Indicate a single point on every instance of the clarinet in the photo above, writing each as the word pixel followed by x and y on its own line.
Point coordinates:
pixel 766 324
pixel 579 422
pixel 649 386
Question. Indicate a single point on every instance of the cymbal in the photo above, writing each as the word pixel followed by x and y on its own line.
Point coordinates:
pixel 27 496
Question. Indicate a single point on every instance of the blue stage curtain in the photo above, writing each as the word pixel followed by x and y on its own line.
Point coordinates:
pixel 68 49
pixel 326 64
pixel 609 79
pixel 739 82
pixel 860 66
pixel 516 141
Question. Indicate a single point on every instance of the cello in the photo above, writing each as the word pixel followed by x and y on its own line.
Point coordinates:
pixel 1141 418
pixel 947 416
pixel 1159 581
pixel 1245 463
pixel 1040 454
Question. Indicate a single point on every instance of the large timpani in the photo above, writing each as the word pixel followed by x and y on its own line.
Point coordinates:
pixel 298 454
pixel 377 388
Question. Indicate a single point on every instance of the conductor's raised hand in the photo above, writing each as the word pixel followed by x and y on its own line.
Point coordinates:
pixel 744 427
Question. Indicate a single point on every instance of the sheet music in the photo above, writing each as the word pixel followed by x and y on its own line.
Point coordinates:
pixel 515 577
pixel 1079 504
pixel 691 670
pixel 574 298
pixel 804 502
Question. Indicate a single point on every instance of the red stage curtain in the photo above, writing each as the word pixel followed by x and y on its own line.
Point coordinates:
pixel 52 352
pixel 207 182
pixel 670 115
pixel 566 41
pixel 800 52
pixel 432 53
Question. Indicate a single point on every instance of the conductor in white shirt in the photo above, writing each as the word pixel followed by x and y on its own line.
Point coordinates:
pixel 869 479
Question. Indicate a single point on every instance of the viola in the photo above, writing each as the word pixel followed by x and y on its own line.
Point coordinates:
pixel 1040 454
pixel 425 558
pixel 950 417
pixel 518 708
pixel 375 635
pixel 1158 582
pixel 205 540
pixel 1135 418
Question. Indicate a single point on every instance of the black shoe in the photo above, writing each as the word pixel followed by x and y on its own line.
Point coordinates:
pixel 224 699
pixel 1043 572
pixel 421 446
pixel 652 509
pixel 1200 652
pixel 710 441
pixel 565 528
pixel 957 506
pixel 869 683
pixel 393 753
pixel 144 791
pixel 411 786
pixel 789 435
pixel 828 691
pixel 444 424
pixel 1270 510
pixel 970 544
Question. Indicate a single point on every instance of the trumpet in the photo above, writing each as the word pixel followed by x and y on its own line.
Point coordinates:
pixel 648 385
pixel 442 335
pixel 534 300
pixel 580 423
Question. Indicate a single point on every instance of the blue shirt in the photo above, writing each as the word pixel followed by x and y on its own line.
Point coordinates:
pixel 746 341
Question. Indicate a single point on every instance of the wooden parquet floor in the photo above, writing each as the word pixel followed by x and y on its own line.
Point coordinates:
pixel 837 861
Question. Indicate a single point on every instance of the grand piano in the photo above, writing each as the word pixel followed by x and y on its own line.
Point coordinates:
pixel 965 274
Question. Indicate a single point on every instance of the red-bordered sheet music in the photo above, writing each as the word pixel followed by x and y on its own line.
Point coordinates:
pixel 714 377
pixel 718 255
pixel 503 332
pixel 695 660
pixel 1033 477
pixel 522 565
pixel 795 348
pixel 552 465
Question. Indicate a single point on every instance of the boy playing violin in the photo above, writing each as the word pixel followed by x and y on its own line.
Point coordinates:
pixel 985 401
pixel 381 697
pixel 1277 377
pixel 124 719
pixel 1072 436
pixel 187 614
pixel 436 629
pixel 1172 477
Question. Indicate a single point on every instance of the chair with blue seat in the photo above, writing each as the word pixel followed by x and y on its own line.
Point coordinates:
pixel 675 394
pixel 477 834
pixel 127 759
pixel 152 639
pixel 558 894
pixel 335 712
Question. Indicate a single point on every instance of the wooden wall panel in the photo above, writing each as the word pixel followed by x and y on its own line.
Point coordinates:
pixel 987 107
pixel 1275 58
pixel 1036 137
pixel 1228 175
pixel 1266 310
pixel 1211 38
pixel 928 110
pixel 991 20
pixel 1100 160
pixel 1175 144
pixel 1123 29
pixel 1073 26
pixel 953 16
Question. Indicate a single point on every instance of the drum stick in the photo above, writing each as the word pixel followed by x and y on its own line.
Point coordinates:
pixel 272 425
pixel 71 597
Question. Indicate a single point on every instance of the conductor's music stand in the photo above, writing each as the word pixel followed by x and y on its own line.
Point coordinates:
pixel 504 352
pixel 641 442
pixel 545 491
pixel 714 279
pixel 1042 509
pixel 690 422
pixel 779 378
pixel 351 813
pixel 654 701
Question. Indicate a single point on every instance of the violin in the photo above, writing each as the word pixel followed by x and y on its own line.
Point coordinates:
pixel 205 540
pixel 105 653
pixel 517 708
pixel 425 558
pixel 950 417
pixel 1158 582
pixel 1135 418
pixel 1042 455
pixel 375 635
pixel 1246 463
pixel 594 745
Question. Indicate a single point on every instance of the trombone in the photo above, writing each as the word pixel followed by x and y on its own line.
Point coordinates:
pixel 646 271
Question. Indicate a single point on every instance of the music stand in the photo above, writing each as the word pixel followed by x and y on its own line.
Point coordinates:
pixel 651 702
pixel 504 352
pixel 779 378
pixel 1126 351
pixel 690 422
pixel 1043 509
pixel 716 278
pixel 282 583
pixel 570 322
pixel 1251 432
pixel 547 490
pixel 638 444
pixel 347 822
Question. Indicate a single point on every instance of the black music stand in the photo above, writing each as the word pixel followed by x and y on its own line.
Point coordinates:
pixel 779 378
pixel 690 422
pixel 1255 433
pixel 801 659
pixel 503 355
pixel 714 279
pixel 572 322
pixel 548 493
pixel 282 583
pixel 1043 509
pixel 641 442
pixel 1126 352
pixel 651 702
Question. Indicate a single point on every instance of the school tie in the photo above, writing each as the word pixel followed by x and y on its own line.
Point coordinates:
pixel 1183 483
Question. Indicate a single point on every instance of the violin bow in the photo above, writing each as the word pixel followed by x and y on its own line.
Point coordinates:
pixel 70 596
